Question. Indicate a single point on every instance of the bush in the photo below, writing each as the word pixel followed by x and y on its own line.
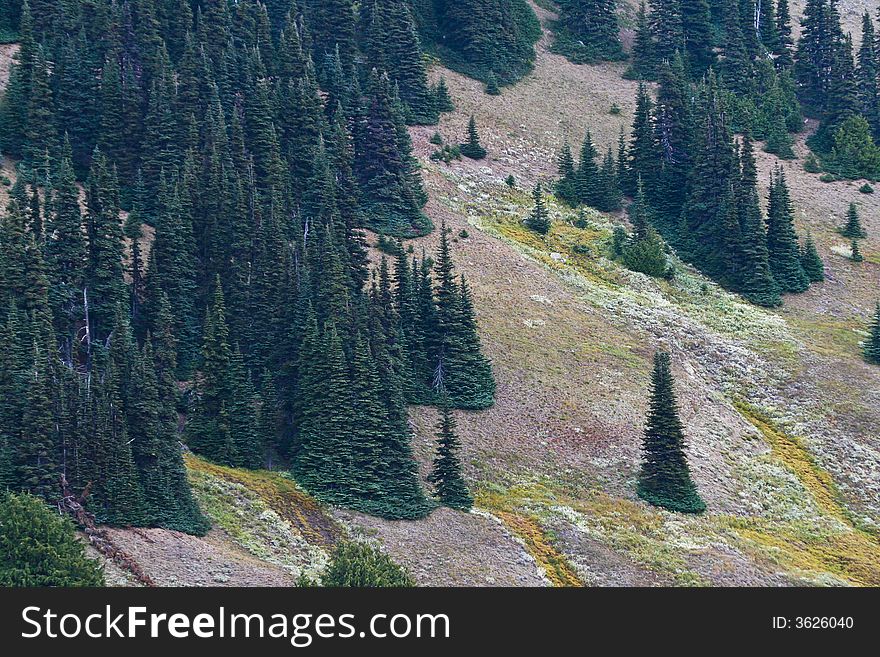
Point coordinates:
pixel 390 246
pixel 828 178
pixel 447 154
pixel 436 139
pixel 854 154
pixel 38 547
pixel 361 565
pixel 464 234
pixel 511 181
pixel 647 256
pixel 866 189
pixel 615 109
pixel 811 164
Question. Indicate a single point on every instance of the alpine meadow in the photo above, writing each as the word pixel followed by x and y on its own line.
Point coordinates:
pixel 440 293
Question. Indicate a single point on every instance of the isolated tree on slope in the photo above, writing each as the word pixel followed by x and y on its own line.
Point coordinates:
pixel 665 478
pixel 872 344
pixel 538 220
pixel 472 148
pixel 853 228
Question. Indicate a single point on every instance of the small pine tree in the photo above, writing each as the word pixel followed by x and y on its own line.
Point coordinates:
pixel 442 97
pixel 871 349
pixel 856 253
pixel 853 227
pixel 811 262
pixel 472 148
pixel 446 473
pixel 38 547
pixel 492 88
pixel 665 478
pixel 538 220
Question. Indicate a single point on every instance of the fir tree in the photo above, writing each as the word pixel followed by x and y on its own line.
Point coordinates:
pixel 538 220
pixel 856 254
pixel 566 188
pixel 39 548
pixel 783 51
pixel 443 100
pixel 472 147
pixel 445 475
pixel 665 478
pixel 782 240
pixel 588 31
pixel 587 183
pixel 643 57
pixel 871 346
pixel 811 262
pixel 853 227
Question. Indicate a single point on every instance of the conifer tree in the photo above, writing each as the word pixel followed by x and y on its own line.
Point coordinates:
pixel 856 254
pixel 871 348
pixel 642 148
pixel 538 220
pixel 642 55
pixel 472 147
pixel 811 262
pixel 783 51
pixel 445 475
pixel 391 192
pixel 39 548
pixel 588 31
pixel 587 183
pixel 566 188
pixel 665 478
pixel 853 227
pixel 782 241
pixel 443 100
pixel 866 73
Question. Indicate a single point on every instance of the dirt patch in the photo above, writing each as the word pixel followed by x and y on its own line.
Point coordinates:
pixel 174 559
pixel 451 548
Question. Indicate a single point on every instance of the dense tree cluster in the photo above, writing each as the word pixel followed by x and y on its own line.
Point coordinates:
pixel 481 38
pixel 588 31
pixel 696 186
pixel 229 159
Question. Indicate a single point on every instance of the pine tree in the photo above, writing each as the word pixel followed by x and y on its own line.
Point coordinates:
pixel 866 76
pixel 782 240
pixel 871 348
pixel 853 227
pixel 443 100
pixel 587 183
pixel 642 150
pixel 387 173
pixel 472 147
pixel 392 45
pixel 856 254
pixel 588 31
pixel 811 262
pixel 643 64
pixel 538 220
pixel 445 475
pixel 566 186
pixel 665 478
pixel 783 51
pixel 39 548
pixel 696 23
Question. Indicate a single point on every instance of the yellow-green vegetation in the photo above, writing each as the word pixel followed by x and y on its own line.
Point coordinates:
pixel 265 513
pixel 580 256
pixel 651 538
pixel 526 526
pixel 811 547
pixel 828 336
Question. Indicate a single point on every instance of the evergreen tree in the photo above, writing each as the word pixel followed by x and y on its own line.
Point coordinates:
pixel 642 55
pixel 472 147
pixel 588 31
pixel 391 192
pixel 443 100
pixel 361 565
pixel 853 227
pixel 811 262
pixel 587 183
pixel 446 477
pixel 782 240
pixel 871 348
pixel 39 548
pixel 538 220
pixel 866 75
pixel 856 254
pixel 665 478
